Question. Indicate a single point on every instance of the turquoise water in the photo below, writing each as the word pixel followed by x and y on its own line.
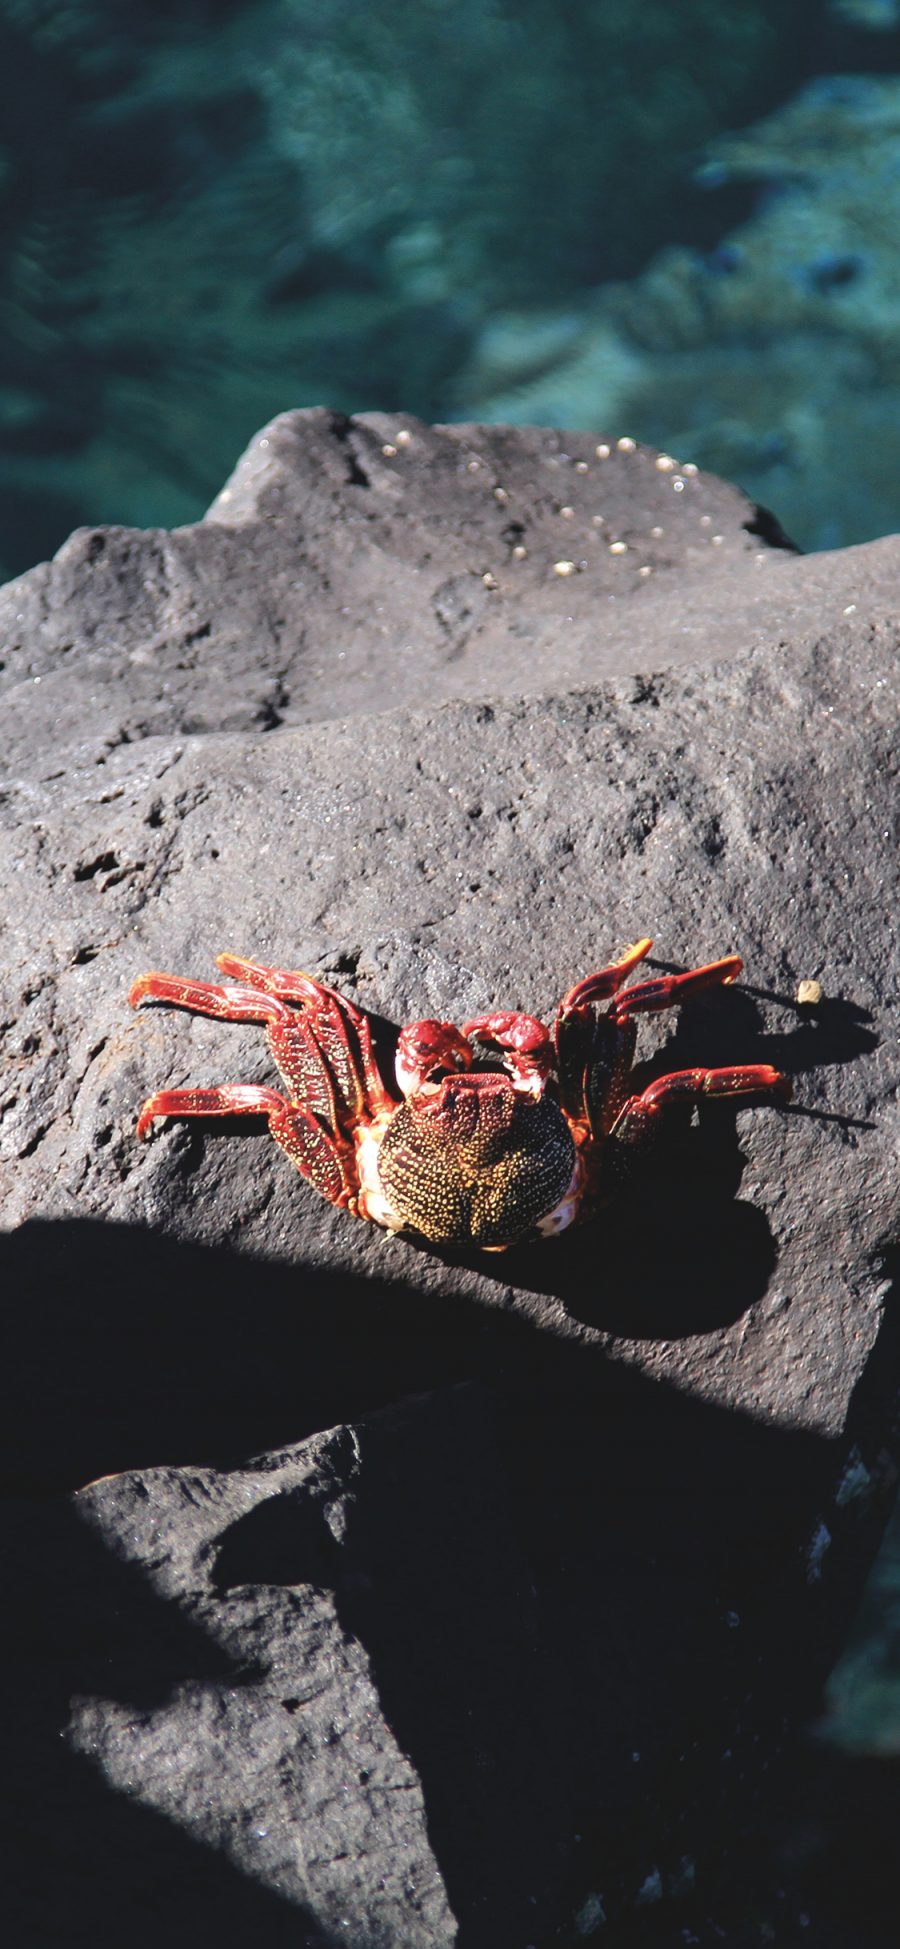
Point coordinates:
pixel 517 209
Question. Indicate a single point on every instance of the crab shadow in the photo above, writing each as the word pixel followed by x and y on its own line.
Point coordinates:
pixel 678 1252
pixel 832 1030
pixel 729 1027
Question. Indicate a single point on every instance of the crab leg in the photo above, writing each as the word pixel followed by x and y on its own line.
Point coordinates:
pixel 640 1113
pixel 299 1133
pixel 205 998
pixel 316 1155
pixel 593 1059
pixel 233 1099
pixel 323 1051
pixel 593 1054
pixel 293 1046
pixel 331 1013
pixel 668 991
pixel 290 983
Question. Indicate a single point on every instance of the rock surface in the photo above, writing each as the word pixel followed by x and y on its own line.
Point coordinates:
pixel 310 730
pixel 339 571
pixel 297 1605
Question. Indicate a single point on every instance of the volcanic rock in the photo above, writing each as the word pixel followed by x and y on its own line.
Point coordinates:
pixel 633 1476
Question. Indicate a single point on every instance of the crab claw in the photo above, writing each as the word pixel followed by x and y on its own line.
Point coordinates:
pixel 427 1052
pixel 607 981
pixel 525 1043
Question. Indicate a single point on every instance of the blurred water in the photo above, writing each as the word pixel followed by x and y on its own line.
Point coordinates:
pixel 527 209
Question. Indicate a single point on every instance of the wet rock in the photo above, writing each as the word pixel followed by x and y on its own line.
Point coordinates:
pixel 482 804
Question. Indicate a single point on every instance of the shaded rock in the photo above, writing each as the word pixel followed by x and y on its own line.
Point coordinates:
pixel 670 1401
pixel 319 1668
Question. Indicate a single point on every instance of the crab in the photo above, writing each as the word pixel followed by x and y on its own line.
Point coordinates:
pixel 499 1131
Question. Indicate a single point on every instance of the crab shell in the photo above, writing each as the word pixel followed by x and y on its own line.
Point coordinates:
pixel 474 1161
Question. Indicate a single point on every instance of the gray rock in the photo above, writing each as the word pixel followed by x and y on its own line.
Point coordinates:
pixel 495 794
pixel 289 1729
pixel 338 572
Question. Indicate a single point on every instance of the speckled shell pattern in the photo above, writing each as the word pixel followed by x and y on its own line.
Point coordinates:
pixel 475 1166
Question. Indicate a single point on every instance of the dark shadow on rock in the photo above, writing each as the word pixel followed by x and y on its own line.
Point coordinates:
pixel 568 1588
pixel 828 1836
pixel 284 1540
pixel 835 1847
pixel 728 1027
pixel 767 526
pixel 126 1349
pixel 832 1033
pixel 87 1863
pixel 428 1574
pixel 577 1591
pixel 676 1253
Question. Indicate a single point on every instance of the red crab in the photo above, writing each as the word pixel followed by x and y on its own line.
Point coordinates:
pixel 498 1131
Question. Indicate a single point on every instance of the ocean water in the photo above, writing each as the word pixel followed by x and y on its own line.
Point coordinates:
pixel 682 223
pixel 676 222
